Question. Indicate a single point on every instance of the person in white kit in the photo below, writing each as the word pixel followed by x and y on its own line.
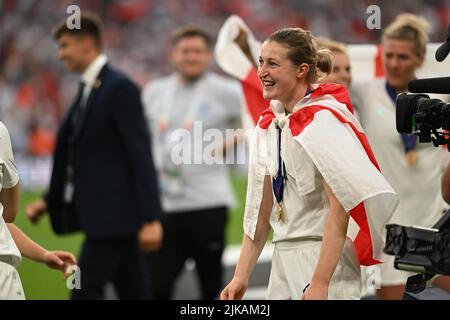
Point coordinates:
pixel 311 168
pixel 413 169
pixel 13 242
pixel 341 72
pixel 182 109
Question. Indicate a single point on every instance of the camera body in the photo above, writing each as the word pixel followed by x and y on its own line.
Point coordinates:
pixel 422 250
pixel 420 115
pixel 418 249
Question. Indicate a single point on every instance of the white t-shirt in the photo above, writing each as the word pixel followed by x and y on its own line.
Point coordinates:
pixel 418 186
pixel 9 177
pixel 213 105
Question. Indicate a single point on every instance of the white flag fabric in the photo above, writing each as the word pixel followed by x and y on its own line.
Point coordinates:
pixel 325 127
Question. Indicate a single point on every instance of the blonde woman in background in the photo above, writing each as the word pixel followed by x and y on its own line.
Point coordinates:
pixel 341 72
pixel 414 170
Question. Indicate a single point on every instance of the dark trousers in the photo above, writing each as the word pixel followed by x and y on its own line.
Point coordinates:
pixel 199 235
pixel 117 260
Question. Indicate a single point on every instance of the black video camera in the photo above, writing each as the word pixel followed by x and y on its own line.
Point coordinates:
pixel 417 249
pixel 422 250
pixel 418 114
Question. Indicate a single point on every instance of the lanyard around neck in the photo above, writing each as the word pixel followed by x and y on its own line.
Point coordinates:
pixel 278 181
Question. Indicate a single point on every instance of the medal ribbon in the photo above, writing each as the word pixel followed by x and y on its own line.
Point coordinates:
pixel 278 182
pixel 281 177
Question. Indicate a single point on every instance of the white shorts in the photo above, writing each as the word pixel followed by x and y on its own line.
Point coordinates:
pixel 293 265
pixel 10 284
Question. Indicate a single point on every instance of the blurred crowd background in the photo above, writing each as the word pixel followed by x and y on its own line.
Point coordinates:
pixel 35 91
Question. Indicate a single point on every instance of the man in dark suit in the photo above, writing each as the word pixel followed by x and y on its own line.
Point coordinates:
pixel 103 180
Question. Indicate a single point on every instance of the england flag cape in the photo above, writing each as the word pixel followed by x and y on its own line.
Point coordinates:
pixel 331 136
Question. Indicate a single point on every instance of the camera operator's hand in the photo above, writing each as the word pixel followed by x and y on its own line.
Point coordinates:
pixel 445 184
pixel 442 282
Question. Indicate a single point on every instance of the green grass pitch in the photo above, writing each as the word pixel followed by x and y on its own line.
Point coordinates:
pixel 40 282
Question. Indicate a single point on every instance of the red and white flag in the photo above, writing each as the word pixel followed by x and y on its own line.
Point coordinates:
pixel 324 126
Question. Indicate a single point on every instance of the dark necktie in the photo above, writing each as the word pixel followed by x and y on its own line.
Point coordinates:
pixel 69 186
pixel 77 105
pixel 74 119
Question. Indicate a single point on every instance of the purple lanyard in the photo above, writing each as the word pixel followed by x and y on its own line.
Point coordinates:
pixel 278 182
pixel 409 140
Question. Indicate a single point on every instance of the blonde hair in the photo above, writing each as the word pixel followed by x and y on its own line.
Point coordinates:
pixel 412 28
pixel 302 49
pixel 333 46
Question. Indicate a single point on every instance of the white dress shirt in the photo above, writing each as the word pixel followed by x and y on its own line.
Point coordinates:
pixel 89 76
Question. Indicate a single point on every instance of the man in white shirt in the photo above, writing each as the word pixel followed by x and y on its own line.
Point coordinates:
pixel 195 195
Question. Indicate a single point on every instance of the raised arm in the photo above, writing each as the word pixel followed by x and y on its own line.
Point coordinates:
pixel 332 245
pixel 242 41
pixel 251 249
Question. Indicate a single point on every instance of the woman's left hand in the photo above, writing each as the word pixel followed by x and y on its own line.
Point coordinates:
pixel 60 260
pixel 316 292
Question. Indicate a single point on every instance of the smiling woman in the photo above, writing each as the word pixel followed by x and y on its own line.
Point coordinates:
pixel 300 155
pixel 286 56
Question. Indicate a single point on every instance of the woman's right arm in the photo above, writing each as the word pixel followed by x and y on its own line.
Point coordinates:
pixel 9 198
pixel 251 249
pixel 10 190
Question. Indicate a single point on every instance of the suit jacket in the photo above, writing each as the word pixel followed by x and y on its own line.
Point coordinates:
pixel 115 183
